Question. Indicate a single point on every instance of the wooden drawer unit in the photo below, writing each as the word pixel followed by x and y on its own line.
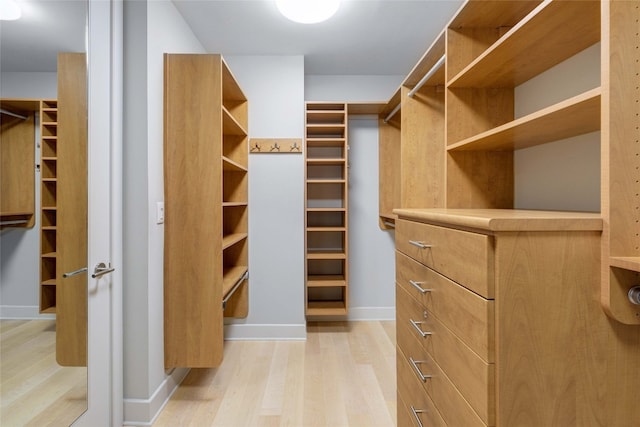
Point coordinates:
pixel 542 352
pixel 464 257
pixel 467 315
pixel 471 375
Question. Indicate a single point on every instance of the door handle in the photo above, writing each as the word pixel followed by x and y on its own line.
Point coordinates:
pixel 73 273
pixel 101 269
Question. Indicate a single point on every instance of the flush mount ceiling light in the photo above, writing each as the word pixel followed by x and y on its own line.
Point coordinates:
pixel 9 10
pixel 308 11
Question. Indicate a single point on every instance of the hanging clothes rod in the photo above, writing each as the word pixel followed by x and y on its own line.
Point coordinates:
pixel 392 113
pixel 390 224
pixel 13 222
pixel 244 277
pixel 9 113
pixel 427 76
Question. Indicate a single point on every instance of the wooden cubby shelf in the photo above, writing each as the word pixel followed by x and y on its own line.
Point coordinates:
pixel 206 125
pixel 551 33
pixel 571 117
pixel 326 209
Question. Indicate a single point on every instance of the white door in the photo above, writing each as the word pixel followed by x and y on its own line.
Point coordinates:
pixel 104 215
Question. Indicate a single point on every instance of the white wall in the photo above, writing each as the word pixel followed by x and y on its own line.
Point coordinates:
pixel 151 29
pixel 29 85
pixel 562 175
pixel 351 88
pixel 274 86
pixel 371 250
pixel 20 248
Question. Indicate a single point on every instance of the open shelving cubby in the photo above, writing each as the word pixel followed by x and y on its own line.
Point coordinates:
pixel 206 205
pixel 326 210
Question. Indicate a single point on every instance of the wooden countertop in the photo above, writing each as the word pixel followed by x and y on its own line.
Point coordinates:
pixel 506 219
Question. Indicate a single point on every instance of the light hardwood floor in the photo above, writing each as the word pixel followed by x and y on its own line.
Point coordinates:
pixel 343 375
pixel 34 389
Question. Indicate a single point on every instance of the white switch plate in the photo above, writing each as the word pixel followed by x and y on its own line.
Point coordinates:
pixel 160 213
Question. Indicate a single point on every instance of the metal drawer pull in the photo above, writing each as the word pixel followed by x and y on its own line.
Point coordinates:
pixel 634 295
pixel 419 244
pixel 73 273
pixel 418 286
pixel 101 269
pixel 417 326
pixel 415 364
pixel 415 413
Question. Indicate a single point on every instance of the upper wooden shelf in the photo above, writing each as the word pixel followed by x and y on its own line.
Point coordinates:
pixel 628 263
pixel 574 116
pixel 492 13
pixel 325 117
pixel 231 126
pixel 325 142
pixel 325 130
pixel 231 239
pixel 230 88
pixel 325 161
pixel 231 166
pixel 551 33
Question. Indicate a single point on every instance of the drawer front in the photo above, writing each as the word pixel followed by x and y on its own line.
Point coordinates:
pixel 472 376
pixel 462 256
pixel 449 402
pixel 413 403
pixel 469 316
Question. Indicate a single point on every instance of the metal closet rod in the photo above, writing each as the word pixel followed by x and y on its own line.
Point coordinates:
pixel 422 81
pixel 9 113
pixel 427 76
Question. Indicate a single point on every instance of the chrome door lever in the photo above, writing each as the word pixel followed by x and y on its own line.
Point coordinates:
pixel 101 269
pixel 73 273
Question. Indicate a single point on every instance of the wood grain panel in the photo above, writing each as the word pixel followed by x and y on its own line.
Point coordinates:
pixel 422 159
pixel 389 168
pixel 464 257
pixel 471 111
pixel 554 343
pixel 480 179
pixel 193 319
pixel 620 153
pixel 17 175
pixel 72 196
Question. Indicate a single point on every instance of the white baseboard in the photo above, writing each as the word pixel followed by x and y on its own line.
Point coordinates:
pixel 255 332
pixel 26 312
pixel 143 412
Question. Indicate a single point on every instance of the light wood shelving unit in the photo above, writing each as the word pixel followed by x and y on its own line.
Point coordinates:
pixel 452 148
pixel 48 204
pixel 326 210
pixel 206 207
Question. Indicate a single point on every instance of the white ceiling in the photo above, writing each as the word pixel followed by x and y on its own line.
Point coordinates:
pixel 368 37
pixel 372 37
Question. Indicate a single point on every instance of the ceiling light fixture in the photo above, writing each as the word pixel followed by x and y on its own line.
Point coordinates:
pixel 9 10
pixel 308 11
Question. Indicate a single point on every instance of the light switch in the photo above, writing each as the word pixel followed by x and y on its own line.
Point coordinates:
pixel 160 213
